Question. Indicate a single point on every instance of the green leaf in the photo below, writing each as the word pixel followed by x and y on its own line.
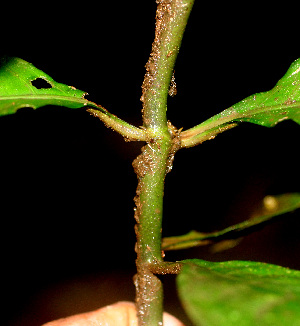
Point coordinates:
pixel 23 85
pixel 17 90
pixel 265 109
pixel 273 206
pixel 239 293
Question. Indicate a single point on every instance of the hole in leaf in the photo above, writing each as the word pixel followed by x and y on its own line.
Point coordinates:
pixel 40 83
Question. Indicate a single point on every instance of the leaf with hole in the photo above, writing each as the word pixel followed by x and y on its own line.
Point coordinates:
pixel 23 85
pixel 239 293
pixel 265 109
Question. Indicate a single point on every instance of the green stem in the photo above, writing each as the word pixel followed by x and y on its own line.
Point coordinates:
pixel 155 161
pixel 195 136
pixel 151 168
pixel 128 131
pixel 171 20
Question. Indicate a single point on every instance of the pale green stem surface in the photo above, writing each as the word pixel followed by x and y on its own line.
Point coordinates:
pixel 128 131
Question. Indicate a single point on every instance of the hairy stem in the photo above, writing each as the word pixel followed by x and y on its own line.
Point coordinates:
pixel 171 19
pixel 151 170
pixel 155 161
pixel 127 130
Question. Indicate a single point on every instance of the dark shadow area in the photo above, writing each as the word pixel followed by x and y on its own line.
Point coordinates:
pixel 67 184
pixel 41 83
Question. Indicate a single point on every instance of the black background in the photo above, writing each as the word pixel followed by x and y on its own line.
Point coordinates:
pixel 67 238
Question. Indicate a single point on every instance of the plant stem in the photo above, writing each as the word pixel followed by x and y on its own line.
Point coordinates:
pixel 171 20
pixel 155 161
pixel 128 131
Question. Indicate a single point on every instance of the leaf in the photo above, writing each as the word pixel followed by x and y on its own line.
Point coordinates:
pixel 23 85
pixel 274 206
pixel 265 109
pixel 17 90
pixel 239 293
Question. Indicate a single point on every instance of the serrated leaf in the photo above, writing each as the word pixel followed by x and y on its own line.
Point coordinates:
pixel 239 293
pixel 274 206
pixel 265 109
pixel 17 90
